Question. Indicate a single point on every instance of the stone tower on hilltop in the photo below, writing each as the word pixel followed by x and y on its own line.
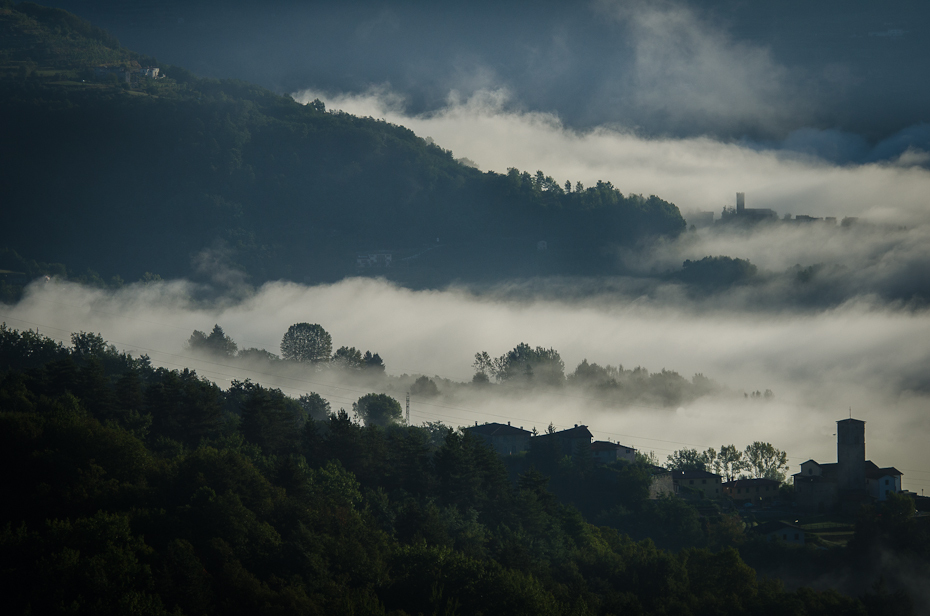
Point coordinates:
pixel 850 454
pixel 850 481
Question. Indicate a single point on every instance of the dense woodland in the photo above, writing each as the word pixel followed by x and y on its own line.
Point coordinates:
pixel 137 489
pixel 193 177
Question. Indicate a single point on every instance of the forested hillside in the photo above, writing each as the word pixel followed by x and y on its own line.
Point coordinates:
pixel 106 168
pixel 140 490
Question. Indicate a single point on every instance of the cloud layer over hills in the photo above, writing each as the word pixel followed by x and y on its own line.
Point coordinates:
pixel 869 358
pixel 808 108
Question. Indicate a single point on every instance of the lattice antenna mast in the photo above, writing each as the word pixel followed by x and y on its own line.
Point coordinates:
pixel 408 408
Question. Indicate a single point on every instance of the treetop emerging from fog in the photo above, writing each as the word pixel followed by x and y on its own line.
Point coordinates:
pixel 305 342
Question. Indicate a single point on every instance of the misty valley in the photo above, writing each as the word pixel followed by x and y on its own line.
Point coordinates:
pixel 155 488
pixel 278 350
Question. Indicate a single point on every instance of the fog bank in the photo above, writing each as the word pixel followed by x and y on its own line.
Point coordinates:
pixel 860 355
pixel 694 173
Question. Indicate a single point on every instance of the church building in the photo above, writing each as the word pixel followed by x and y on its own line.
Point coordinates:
pixel 850 481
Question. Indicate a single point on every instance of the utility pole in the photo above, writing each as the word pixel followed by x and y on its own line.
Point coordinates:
pixel 408 408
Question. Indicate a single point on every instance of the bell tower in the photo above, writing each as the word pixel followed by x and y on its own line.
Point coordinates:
pixel 850 453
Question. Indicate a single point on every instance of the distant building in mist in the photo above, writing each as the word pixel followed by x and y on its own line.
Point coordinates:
pixel 569 441
pixel 750 216
pixel 848 482
pixel 746 215
pixel 506 440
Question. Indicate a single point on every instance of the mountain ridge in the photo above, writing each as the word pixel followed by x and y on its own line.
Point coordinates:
pixel 108 169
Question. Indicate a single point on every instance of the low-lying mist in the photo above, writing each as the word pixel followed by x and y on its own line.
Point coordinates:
pixel 797 265
pixel 694 173
pixel 863 354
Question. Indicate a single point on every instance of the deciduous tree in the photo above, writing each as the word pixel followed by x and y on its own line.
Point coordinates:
pixel 730 462
pixel 687 460
pixel 315 406
pixel 305 342
pixel 765 461
pixel 217 343
pixel 378 409
pixel 348 358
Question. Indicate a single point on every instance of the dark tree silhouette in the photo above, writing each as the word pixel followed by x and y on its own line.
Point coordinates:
pixel 304 342
pixel 378 409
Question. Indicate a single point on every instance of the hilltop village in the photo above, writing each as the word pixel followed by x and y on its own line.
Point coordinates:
pixel 840 487
pixel 746 216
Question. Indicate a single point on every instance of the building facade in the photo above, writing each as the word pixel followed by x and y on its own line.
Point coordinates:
pixel 568 441
pixel 755 491
pixel 606 452
pixel 505 439
pixel 708 484
pixel 850 481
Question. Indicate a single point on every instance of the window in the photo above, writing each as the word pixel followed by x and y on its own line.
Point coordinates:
pixel 810 471
pixel 886 482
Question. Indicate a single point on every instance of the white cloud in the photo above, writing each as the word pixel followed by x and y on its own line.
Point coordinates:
pixel 695 173
pixel 688 73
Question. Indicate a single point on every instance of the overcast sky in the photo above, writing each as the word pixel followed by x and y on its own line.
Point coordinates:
pixel 730 69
